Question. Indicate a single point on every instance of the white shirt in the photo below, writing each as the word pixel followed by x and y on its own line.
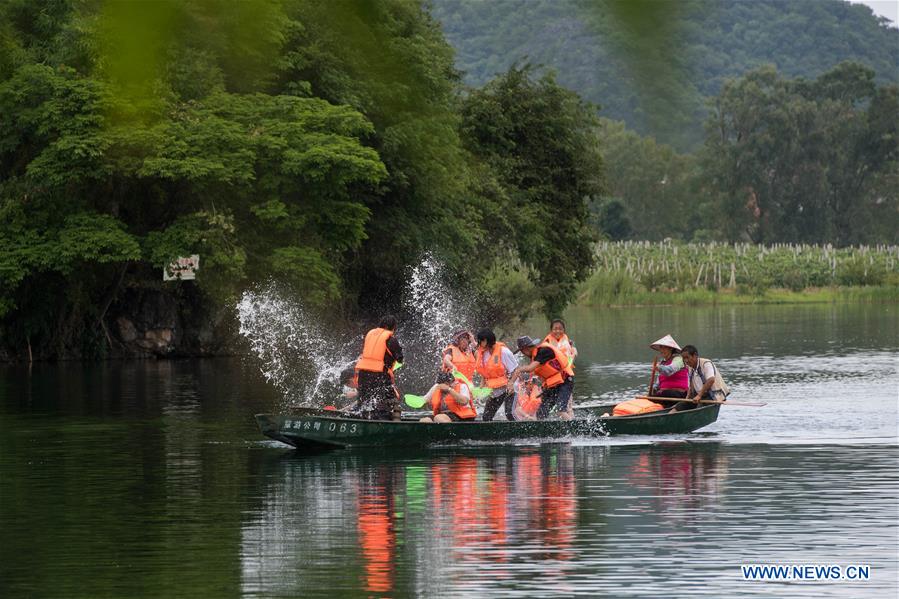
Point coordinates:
pixel 708 371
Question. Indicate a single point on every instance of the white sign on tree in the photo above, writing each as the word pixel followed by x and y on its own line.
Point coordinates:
pixel 182 269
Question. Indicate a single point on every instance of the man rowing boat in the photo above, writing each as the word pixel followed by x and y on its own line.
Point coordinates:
pixel 706 381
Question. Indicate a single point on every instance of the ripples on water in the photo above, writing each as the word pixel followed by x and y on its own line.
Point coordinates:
pixel 652 520
pixel 150 479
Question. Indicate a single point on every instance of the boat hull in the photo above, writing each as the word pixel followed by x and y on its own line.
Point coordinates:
pixel 312 429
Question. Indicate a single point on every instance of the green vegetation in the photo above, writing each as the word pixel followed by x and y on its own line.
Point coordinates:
pixel 785 161
pixel 323 145
pixel 677 273
pixel 328 146
pixel 652 64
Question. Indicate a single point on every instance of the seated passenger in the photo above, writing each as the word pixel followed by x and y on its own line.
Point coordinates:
pixel 528 396
pixel 706 382
pixel 450 400
pixel 672 371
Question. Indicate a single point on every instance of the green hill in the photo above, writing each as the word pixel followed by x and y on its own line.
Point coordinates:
pixel 654 69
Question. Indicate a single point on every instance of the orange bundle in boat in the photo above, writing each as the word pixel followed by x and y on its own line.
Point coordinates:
pixel 635 406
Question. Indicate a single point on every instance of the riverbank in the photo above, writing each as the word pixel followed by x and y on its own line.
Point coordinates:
pixel 671 273
pixel 706 297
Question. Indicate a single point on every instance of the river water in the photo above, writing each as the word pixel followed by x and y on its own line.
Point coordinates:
pixel 149 479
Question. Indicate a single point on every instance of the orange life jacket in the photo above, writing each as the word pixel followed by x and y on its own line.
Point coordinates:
pixel 463 361
pixel 373 351
pixel 531 398
pixel 636 406
pixel 553 372
pixel 563 344
pixel 494 372
pixel 466 411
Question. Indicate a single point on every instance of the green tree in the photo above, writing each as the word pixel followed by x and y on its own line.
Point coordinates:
pixel 540 141
pixel 655 185
pixel 99 192
pixel 798 160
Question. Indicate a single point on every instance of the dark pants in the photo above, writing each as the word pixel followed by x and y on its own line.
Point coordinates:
pixel 674 393
pixel 558 396
pixel 493 404
pixel 377 396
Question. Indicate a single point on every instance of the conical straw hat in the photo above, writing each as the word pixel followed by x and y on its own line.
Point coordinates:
pixel 667 341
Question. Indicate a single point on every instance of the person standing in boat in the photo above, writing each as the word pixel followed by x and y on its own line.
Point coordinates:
pixel 551 365
pixel 450 399
pixel 495 362
pixel 559 339
pixel 377 394
pixel 673 376
pixel 706 381
pixel 457 356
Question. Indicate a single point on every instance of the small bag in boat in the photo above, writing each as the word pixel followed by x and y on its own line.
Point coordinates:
pixel 636 406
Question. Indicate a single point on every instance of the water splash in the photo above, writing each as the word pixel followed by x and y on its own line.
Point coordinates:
pixel 300 359
pixel 435 311
pixel 303 360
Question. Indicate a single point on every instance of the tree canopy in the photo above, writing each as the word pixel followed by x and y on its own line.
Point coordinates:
pixel 322 145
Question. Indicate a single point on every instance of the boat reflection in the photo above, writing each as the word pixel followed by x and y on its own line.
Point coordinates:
pixel 468 519
pixel 680 477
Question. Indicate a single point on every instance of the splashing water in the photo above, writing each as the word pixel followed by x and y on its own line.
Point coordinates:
pixel 435 311
pixel 302 361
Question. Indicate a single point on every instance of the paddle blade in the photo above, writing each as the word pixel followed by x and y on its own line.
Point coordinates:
pixel 414 401
pixel 482 392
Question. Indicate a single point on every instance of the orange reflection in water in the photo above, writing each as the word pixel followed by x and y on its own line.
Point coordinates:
pixel 484 509
pixel 377 536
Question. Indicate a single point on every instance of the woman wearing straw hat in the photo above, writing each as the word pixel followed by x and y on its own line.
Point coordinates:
pixel 673 376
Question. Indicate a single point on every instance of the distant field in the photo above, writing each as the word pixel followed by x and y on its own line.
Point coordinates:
pixel 640 272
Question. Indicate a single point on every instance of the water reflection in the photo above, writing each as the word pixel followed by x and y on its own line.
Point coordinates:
pixel 678 477
pixel 469 521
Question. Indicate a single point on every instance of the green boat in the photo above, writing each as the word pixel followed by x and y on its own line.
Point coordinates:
pixel 318 429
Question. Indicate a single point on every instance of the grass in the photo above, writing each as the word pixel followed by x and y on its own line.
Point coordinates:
pixel 667 273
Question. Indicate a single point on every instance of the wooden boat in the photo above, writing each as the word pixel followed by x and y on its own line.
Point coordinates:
pixel 314 428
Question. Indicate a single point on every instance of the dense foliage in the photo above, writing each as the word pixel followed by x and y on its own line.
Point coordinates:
pixel 540 141
pixel 651 64
pixel 785 160
pixel 805 160
pixel 319 144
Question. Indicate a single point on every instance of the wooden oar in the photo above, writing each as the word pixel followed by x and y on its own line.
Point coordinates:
pixel 707 401
pixel 652 377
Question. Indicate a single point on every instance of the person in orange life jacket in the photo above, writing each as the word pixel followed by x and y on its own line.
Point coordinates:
pixel 450 400
pixel 528 394
pixel 705 380
pixel 458 355
pixel 673 379
pixel 550 364
pixel 377 395
pixel 558 339
pixel 495 362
